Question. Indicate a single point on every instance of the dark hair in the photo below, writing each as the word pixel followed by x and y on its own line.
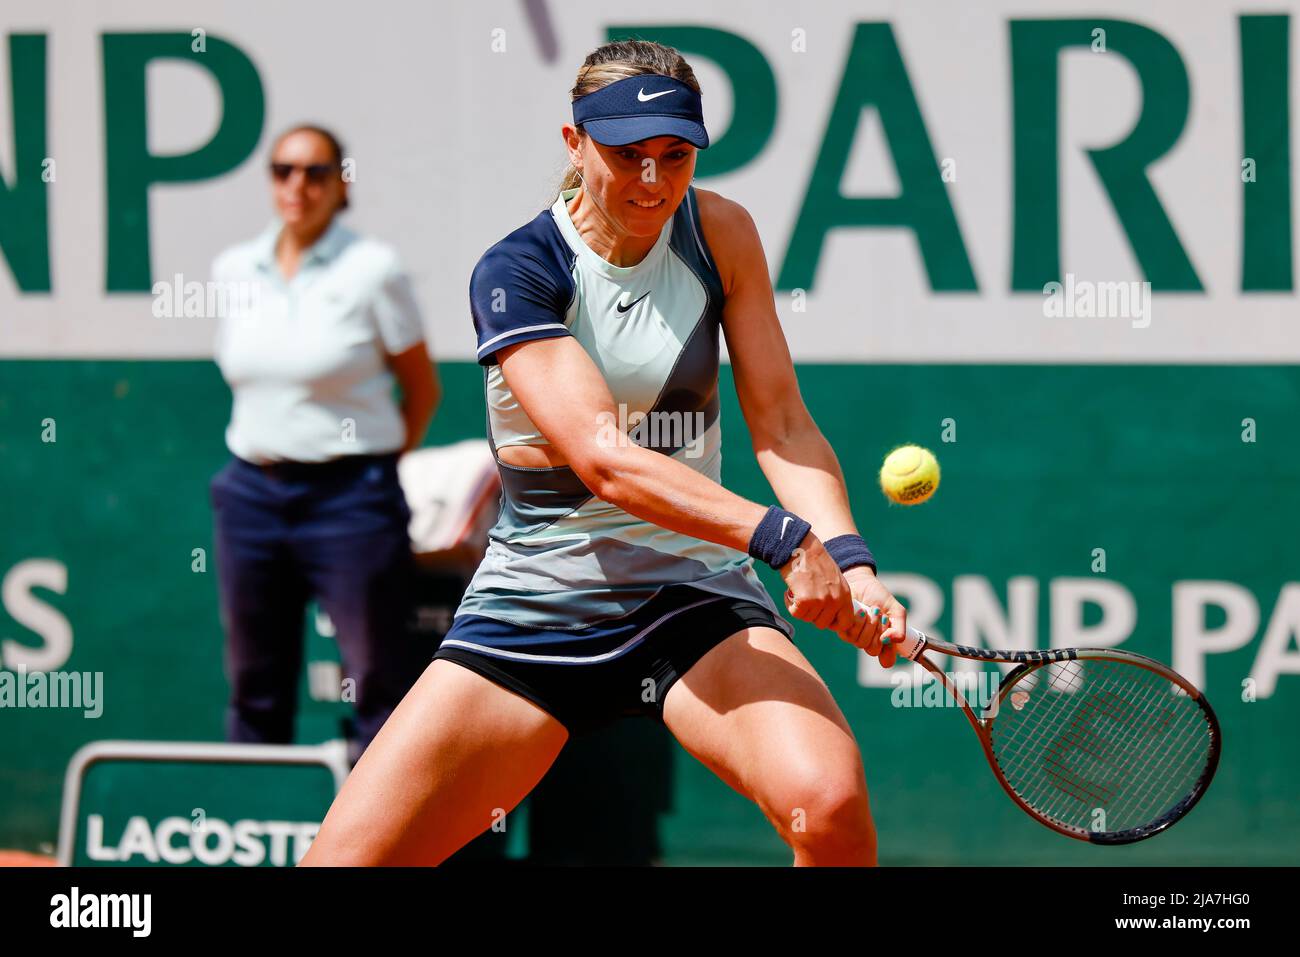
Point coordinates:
pixel 336 147
pixel 618 60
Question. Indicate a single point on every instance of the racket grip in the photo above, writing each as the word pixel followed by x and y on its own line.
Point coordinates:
pixel 909 647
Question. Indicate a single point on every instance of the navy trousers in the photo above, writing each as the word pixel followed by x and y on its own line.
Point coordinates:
pixel 338 532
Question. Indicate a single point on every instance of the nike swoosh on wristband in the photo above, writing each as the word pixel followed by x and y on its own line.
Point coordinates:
pixel 622 308
pixel 641 94
pixel 784 523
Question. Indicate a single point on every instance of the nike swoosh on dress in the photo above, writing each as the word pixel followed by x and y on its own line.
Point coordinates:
pixel 622 308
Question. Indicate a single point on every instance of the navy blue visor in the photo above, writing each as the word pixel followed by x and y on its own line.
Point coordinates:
pixel 639 108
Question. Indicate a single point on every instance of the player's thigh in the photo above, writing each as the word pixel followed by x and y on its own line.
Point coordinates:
pixel 757 713
pixel 458 753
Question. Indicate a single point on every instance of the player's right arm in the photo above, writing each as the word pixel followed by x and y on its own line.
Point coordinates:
pixel 566 397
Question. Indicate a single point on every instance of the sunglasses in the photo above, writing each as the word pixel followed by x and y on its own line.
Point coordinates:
pixel 315 172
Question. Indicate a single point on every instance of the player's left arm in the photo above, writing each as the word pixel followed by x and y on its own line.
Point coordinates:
pixel 794 455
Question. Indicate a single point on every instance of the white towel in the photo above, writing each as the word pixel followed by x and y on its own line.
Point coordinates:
pixel 454 495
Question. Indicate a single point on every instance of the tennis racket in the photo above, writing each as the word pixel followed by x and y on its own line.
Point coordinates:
pixel 1101 745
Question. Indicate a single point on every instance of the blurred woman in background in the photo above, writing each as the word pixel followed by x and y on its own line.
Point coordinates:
pixel 309 504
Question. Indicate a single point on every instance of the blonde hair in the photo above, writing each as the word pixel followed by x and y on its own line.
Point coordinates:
pixel 617 61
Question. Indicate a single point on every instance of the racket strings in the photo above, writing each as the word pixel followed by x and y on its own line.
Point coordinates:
pixel 1074 737
pixel 1070 775
pixel 1014 757
pixel 1139 718
pixel 1185 758
pixel 1058 782
pixel 1132 725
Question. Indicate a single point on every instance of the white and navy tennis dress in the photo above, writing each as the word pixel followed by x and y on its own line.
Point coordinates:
pixel 577 601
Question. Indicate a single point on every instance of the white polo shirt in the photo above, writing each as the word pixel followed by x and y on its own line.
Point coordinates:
pixel 305 358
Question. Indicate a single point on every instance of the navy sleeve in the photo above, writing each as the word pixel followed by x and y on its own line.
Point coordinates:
pixel 520 290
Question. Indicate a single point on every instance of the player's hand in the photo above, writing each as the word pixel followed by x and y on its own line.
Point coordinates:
pixel 889 621
pixel 816 592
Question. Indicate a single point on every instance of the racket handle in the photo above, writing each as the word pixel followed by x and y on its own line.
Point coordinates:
pixel 909 647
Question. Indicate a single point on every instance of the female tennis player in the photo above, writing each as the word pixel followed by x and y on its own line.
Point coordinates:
pixel 619 577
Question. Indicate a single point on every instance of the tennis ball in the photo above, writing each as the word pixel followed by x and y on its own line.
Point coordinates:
pixel 910 475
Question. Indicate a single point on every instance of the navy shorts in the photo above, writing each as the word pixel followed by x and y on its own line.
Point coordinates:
pixel 590 677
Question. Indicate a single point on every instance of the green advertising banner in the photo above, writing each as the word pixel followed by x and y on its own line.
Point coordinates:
pixel 1147 507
